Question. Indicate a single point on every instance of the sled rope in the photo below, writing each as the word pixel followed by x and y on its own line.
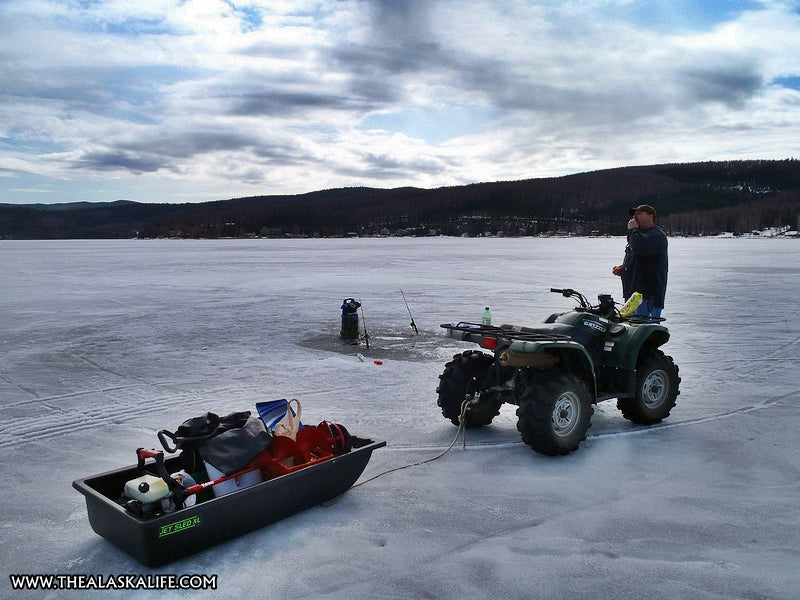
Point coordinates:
pixel 461 429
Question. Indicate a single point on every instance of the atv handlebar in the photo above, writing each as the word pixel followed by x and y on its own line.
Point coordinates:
pixel 570 293
pixel 606 308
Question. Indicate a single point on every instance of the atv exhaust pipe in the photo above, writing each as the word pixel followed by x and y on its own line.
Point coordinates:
pixel 541 360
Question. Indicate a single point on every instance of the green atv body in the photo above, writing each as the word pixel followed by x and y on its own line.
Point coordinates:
pixel 555 372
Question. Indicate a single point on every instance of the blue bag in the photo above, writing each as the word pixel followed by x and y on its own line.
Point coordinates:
pixel 274 411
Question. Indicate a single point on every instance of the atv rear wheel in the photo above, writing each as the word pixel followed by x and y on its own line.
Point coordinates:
pixel 656 390
pixel 555 411
pixel 464 376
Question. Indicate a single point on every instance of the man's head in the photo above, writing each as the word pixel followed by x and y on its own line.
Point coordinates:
pixel 644 214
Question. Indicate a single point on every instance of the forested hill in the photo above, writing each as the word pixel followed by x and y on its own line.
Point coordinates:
pixel 691 199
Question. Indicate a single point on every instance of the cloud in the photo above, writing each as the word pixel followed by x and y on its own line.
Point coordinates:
pixel 252 97
pixel 276 102
pixel 111 161
pixel 732 86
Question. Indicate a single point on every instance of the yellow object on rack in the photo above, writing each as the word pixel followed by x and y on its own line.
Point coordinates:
pixel 631 305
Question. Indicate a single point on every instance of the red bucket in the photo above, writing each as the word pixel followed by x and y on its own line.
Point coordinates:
pixel 282 448
pixel 310 439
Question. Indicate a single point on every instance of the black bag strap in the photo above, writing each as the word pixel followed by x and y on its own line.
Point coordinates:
pixel 162 435
pixel 193 432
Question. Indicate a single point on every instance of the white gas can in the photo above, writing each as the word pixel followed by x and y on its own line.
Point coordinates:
pixel 147 488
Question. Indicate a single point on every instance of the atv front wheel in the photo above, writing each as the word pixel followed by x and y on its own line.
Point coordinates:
pixel 555 411
pixel 656 390
pixel 465 375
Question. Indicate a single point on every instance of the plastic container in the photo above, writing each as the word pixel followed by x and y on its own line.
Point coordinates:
pixel 285 455
pixel 487 316
pixel 163 539
pixel 238 483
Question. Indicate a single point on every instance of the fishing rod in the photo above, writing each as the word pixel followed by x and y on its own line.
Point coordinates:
pixel 366 333
pixel 414 325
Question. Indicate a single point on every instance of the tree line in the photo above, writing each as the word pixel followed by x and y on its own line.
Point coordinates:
pixel 691 199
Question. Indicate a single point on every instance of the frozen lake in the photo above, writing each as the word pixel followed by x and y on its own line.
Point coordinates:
pixel 102 343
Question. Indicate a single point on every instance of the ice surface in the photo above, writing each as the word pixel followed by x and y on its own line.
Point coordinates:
pixel 102 343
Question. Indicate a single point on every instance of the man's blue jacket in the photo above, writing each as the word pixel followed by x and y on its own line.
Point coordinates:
pixel 645 267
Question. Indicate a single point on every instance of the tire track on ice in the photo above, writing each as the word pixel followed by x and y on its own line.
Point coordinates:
pixel 44 399
pixel 20 387
pixel 56 421
pixel 639 430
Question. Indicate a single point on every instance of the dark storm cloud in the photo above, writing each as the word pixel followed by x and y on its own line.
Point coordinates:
pixel 96 87
pixel 606 95
pixel 368 59
pixel 159 152
pixel 399 43
pixel 403 21
pixel 569 104
pixel 113 160
pixel 375 91
pixel 385 166
pixel 732 85
pixel 373 71
pixel 186 144
pixel 401 49
pixel 279 103
pixel 402 45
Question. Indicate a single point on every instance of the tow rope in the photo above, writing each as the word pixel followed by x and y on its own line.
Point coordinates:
pixel 468 401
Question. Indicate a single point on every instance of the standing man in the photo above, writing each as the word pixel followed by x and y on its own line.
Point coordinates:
pixel 644 268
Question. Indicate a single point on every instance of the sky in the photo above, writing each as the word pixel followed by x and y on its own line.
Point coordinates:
pixel 198 100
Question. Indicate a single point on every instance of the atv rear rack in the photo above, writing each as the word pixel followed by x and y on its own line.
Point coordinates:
pixel 508 332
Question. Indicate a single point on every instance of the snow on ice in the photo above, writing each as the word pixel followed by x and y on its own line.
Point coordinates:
pixel 103 343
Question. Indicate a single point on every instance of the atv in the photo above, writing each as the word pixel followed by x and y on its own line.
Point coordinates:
pixel 556 371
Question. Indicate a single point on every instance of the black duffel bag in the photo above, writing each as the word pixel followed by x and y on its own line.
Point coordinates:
pixel 228 443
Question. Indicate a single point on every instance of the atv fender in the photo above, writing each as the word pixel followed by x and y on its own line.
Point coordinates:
pixel 638 340
pixel 571 356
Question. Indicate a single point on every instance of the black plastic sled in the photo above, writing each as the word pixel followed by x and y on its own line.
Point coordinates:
pixel 170 536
